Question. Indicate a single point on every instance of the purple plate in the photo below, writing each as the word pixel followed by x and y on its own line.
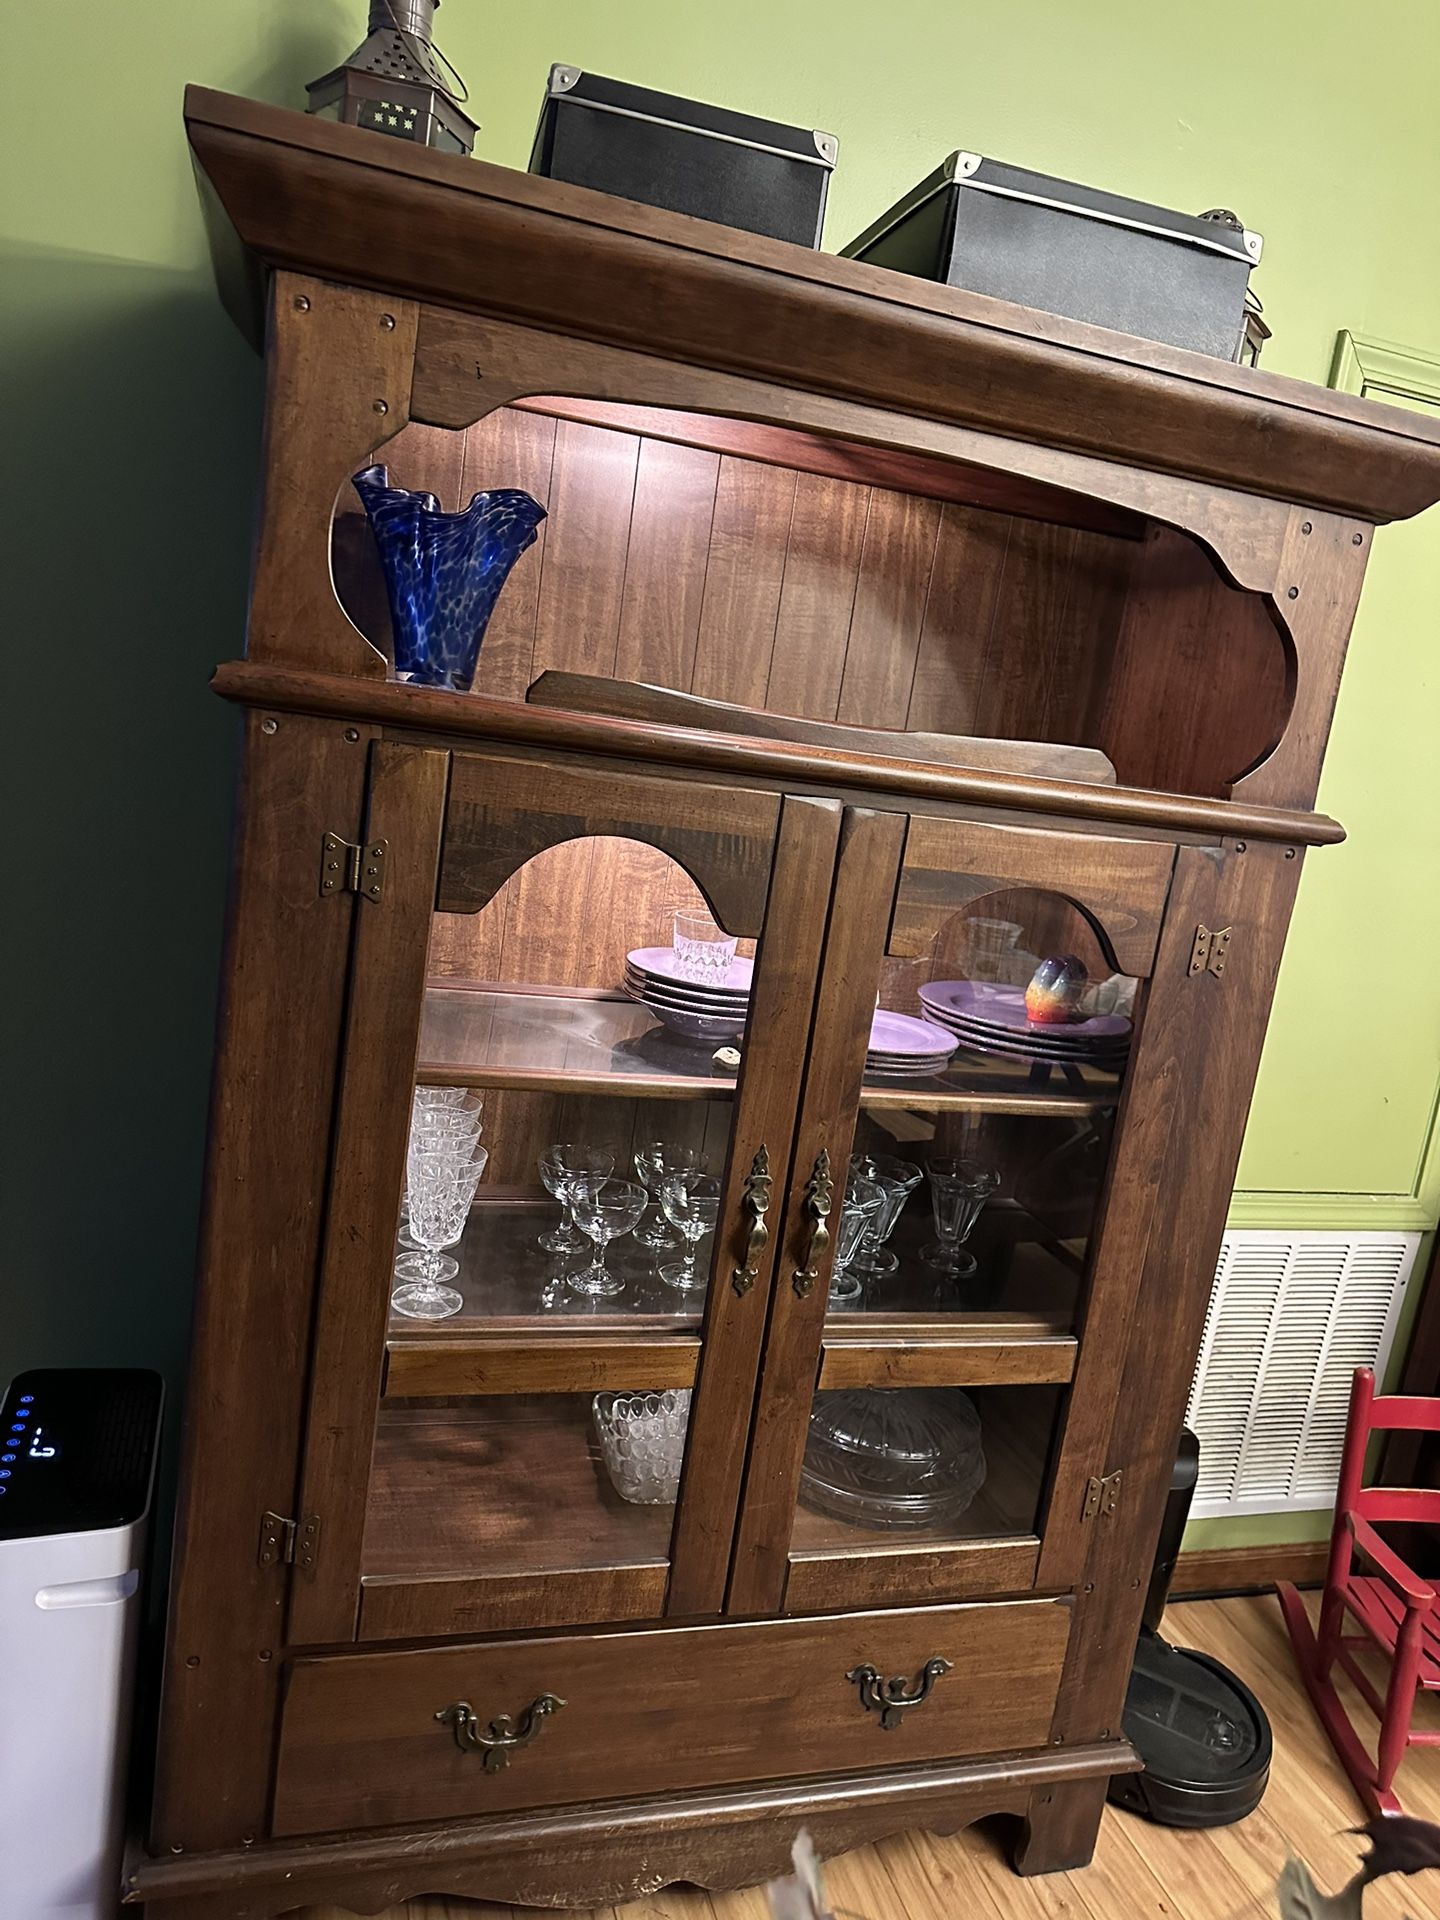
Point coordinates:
pixel 661 964
pixel 904 1035
pixel 695 1026
pixel 696 999
pixel 1041 1043
pixel 1009 1050
pixel 1002 1010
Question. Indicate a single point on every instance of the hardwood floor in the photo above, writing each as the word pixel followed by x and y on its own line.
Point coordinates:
pixel 1139 1870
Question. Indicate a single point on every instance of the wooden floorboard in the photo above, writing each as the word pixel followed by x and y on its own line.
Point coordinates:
pixel 1140 1872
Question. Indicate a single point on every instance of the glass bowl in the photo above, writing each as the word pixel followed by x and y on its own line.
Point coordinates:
pixel 893 1457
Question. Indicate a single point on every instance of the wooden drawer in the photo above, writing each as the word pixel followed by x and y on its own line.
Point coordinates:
pixel 652 1712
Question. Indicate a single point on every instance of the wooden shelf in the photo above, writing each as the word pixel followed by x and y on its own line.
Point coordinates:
pixel 505 1486
pixel 522 1330
pixel 549 1040
pixel 512 1286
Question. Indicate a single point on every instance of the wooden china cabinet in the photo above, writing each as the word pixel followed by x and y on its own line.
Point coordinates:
pixel 1058 617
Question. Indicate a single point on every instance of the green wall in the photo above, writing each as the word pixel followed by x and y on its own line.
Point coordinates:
pixel 133 471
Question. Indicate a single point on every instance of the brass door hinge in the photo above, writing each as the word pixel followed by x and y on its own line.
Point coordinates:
pixel 347 868
pixel 1208 951
pixel 288 1543
pixel 1102 1495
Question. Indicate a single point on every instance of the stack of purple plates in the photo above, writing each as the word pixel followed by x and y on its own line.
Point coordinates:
pixel 715 1010
pixel 901 1045
pixel 698 1010
pixel 992 1019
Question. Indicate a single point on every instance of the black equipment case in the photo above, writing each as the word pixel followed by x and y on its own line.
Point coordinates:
pixel 681 154
pixel 1021 236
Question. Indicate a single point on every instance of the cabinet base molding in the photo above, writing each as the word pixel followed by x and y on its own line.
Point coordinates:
pixel 1251 1569
pixel 601 1855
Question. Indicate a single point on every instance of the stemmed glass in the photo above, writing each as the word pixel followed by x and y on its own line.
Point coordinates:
pixel 605 1209
pixel 560 1165
pixel 691 1201
pixel 958 1192
pixel 442 1189
pixel 897 1180
pixel 859 1211
pixel 453 1111
pixel 655 1162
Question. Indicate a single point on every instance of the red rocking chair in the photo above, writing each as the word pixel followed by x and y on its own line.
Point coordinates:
pixel 1368 1580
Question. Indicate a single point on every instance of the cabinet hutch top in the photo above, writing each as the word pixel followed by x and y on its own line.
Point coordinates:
pixel 334 201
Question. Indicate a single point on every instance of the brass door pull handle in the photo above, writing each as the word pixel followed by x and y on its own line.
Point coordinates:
pixel 756 1201
pixel 888 1698
pixel 818 1195
pixel 505 1732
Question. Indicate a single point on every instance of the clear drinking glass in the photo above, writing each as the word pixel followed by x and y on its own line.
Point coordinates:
pixel 655 1162
pixel 604 1209
pixel 859 1211
pixel 559 1165
pixel 703 950
pixel 642 1436
pixel 958 1192
pixel 897 1180
pixel 691 1201
pixel 442 1188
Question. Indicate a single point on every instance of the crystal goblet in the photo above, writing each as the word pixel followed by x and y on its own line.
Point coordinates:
pixel 897 1180
pixel 958 1192
pixel 446 1123
pixel 559 1165
pixel 604 1209
pixel 442 1189
pixel 461 1099
pixel 691 1201
pixel 655 1162
pixel 859 1211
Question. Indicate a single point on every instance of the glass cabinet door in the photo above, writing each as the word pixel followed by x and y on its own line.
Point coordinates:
pixel 562 1323
pixel 983 1042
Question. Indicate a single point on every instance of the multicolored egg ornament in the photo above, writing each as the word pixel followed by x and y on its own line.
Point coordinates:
pixel 1054 993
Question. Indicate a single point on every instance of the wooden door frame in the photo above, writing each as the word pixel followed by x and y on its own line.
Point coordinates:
pixel 891 898
pixel 444 831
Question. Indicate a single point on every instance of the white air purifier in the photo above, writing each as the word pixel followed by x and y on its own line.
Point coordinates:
pixel 77 1471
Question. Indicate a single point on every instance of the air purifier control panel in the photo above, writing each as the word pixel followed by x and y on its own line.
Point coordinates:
pixel 76 1449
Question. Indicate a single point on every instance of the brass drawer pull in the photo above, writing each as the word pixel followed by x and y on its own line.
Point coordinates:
pixel 818 1195
pixel 756 1201
pixel 504 1733
pixel 888 1698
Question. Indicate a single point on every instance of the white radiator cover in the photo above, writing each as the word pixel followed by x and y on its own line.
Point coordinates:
pixel 1291 1317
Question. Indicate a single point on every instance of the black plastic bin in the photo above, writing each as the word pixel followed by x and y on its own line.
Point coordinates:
pixel 667 152
pixel 1064 248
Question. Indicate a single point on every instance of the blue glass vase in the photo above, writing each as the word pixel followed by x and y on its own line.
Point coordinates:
pixel 444 571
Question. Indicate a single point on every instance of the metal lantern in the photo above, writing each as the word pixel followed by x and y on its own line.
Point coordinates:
pixel 395 83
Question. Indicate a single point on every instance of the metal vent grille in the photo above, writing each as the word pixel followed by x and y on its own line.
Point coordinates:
pixel 1291 1317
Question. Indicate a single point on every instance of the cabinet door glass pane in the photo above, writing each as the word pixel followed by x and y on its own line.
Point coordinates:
pixel 570 1131
pixel 914 1466
pixel 984 1126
